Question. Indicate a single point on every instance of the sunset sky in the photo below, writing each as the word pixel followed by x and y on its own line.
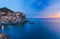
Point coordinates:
pixel 34 8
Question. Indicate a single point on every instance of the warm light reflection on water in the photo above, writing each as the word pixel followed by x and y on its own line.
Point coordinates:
pixel 57 20
pixel 54 20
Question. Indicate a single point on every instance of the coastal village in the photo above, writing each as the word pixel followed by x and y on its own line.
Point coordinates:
pixel 8 16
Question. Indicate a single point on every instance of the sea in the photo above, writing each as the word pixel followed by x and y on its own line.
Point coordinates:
pixel 40 28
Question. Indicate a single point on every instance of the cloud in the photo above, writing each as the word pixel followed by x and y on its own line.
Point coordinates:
pixel 50 11
pixel 33 8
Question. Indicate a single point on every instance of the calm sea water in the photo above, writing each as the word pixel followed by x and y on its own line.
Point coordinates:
pixel 43 28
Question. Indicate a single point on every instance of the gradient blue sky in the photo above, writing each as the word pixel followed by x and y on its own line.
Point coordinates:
pixel 33 8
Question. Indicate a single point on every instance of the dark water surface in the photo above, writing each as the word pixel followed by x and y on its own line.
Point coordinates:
pixel 43 28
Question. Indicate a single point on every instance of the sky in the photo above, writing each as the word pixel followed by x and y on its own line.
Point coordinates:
pixel 34 8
